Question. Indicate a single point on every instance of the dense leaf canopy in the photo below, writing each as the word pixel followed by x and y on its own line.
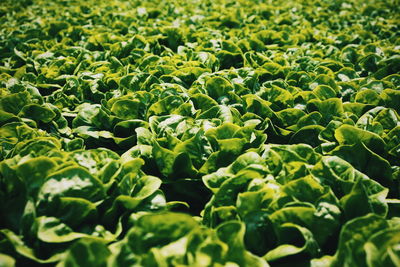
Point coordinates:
pixel 200 133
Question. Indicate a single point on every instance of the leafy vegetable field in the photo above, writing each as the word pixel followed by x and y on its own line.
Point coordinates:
pixel 200 133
